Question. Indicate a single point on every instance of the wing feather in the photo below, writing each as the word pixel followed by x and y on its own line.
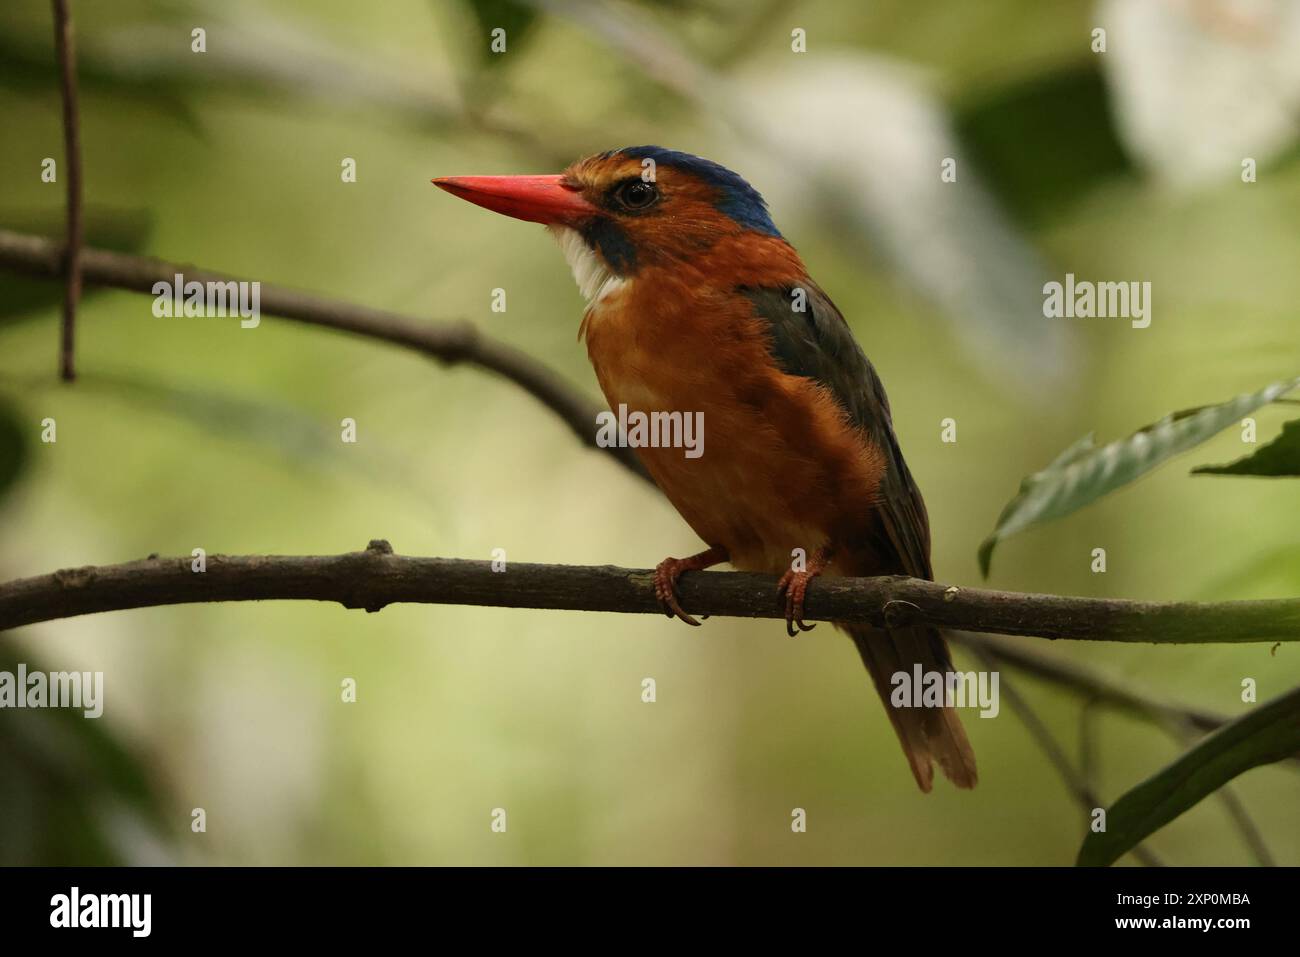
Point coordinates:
pixel 816 342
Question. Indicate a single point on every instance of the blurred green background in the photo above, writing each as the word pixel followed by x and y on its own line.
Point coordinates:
pixel 185 433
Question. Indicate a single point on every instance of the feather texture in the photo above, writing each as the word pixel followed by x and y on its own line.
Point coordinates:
pixel 716 316
pixel 698 306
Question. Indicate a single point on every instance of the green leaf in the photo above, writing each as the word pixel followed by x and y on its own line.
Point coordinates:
pixel 1280 457
pixel 1269 733
pixel 72 791
pixel 1084 473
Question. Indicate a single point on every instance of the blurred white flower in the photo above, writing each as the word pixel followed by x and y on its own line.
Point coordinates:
pixel 866 139
pixel 1200 85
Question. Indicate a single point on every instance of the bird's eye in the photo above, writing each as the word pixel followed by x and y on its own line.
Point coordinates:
pixel 636 194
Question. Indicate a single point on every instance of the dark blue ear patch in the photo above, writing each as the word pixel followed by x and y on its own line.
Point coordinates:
pixel 736 198
pixel 609 239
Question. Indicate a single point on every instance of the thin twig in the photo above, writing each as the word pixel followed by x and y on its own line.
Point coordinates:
pixel 1075 782
pixel 71 265
pixel 1089 683
pixel 447 342
pixel 376 577
pixel 1182 723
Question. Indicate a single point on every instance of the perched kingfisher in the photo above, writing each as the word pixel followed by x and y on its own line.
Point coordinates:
pixel 696 303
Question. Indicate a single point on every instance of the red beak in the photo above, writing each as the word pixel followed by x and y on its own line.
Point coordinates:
pixel 537 199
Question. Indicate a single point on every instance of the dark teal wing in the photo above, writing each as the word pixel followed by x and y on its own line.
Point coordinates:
pixel 816 343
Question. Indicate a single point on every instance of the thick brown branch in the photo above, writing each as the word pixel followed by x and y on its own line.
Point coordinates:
pixel 447 342
pixel 71 258
pixel 376 577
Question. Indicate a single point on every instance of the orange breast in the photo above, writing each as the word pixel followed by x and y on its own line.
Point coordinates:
pixel 780 468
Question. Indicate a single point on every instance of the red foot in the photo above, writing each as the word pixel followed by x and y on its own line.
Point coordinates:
pixel 670 569
pixel 793 586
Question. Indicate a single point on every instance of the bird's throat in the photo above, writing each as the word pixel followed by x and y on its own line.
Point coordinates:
pixel 596 281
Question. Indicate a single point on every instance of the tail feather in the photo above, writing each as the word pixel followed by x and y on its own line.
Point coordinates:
pixel 927 734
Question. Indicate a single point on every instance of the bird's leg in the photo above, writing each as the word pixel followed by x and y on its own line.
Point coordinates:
pixel 670 569
pixel 793 586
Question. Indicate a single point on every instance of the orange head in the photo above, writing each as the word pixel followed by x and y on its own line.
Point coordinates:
pixel 634 207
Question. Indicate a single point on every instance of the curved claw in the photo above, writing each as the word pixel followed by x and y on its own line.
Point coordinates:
pixel 666 574
pixel 793 586
pixel 794 619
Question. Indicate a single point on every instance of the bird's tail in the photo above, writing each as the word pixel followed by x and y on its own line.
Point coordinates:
pixel 928 734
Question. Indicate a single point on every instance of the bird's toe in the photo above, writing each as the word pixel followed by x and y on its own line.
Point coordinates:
pixel 793 587
pixel 666 574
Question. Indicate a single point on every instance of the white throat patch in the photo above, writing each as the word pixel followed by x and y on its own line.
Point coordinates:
pixel 594 279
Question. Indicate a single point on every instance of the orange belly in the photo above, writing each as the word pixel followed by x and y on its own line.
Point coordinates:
pixel 780 468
